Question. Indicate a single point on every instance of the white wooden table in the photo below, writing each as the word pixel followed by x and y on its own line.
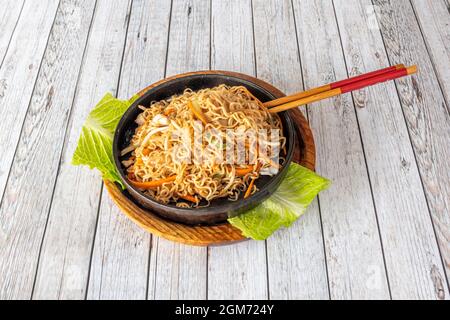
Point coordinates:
pixel 381 231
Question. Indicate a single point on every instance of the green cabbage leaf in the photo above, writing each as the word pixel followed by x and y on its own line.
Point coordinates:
pixel 284 206
pixel 94 147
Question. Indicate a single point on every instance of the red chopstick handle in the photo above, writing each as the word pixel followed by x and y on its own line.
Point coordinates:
pixel 345 82
pixel 374 80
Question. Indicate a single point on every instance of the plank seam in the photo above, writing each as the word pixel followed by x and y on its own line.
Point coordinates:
pixel 256 75
pixel 148 266
pixel 207 272
pixel 156 270
pixel 21 131
pixel 307 118
pixel 210 66
pixel 165 74
pixel 365 158
pixel 12 34
pixel 431 57
pixel 414 151
pixel 254 41
pixel 324 249
pixel 299 57
pixel 127 17
pixel 62 148
pixel 93 242
pixel 210 34
pixel 28 107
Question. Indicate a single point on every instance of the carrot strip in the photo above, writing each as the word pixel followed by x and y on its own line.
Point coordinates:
pixel 243 171
pixel 249 189
pixel 250 186
pixel 152 184
pixel 188 198
pixel 169 111
pixel 197 111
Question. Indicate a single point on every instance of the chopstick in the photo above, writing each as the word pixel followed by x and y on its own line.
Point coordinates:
pixel 347 87
pixel 334 85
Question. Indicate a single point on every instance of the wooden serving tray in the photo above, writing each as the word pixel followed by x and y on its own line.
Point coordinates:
pixel 219 234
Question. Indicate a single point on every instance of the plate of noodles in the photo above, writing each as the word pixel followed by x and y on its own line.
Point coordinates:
pixel 172 151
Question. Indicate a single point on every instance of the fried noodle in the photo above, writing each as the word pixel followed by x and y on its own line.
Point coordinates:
pixel 223 110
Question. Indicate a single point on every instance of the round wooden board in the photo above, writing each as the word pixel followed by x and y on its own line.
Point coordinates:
pixel 219 234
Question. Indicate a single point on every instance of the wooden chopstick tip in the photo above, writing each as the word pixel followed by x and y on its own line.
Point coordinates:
pixel 411 69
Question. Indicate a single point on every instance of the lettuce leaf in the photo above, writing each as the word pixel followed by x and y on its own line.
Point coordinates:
pixel 94 147
pixel 287 204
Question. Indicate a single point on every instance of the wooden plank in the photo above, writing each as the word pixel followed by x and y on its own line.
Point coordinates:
pixel 232 45
pixel 434 20
pixel 146 48
pixel 189 37
pixel 120 258
pixel 352 242
pixel 178 271
pixel 28 194
pixel 18 74
pixel 66 250
pixel 237 271
pixel 412 257
pixel 121 254
pixel 425 110
pixel 8 22
pixel 296 262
